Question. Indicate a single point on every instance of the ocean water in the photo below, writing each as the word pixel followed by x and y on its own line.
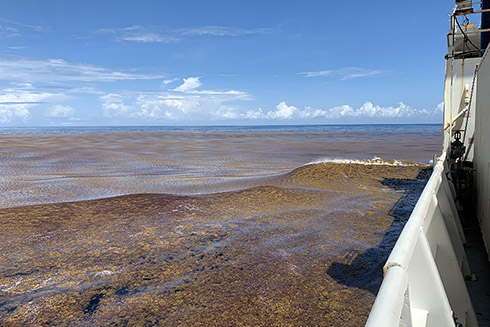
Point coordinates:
pixel 191 129
pixel 203 226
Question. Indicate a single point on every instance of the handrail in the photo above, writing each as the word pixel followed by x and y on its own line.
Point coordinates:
pixel 464 33
pixel 426 259
pixel 395 282
pixel 401 253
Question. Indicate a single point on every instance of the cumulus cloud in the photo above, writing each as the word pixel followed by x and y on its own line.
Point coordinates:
pixel 189 84
pixel 345 73
pixel 151 106
pixel 366 110
pixel 369 110
pixel 283 111
pixel 225 112
pixel 60 111
pixel 11 112
pixel 189 105
pixel 113 105
pixel 184 102
pixel 15 104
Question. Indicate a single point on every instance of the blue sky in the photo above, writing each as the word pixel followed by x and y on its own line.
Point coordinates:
pixel 221 62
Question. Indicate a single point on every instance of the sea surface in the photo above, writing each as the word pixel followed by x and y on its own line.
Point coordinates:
pixel 203 226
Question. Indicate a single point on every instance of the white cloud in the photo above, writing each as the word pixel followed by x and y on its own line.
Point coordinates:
pixel 169 81
pixel 345 73
pixel 149 111
pixel 141 34
pixel 113 105
pixel 23 86
pixel 182 103
pixel 234 93
pixel 10 29
pixel 15 103
pixel 151 106
pixel 189 84
pixel 225 112
pixel 60 111
pixel 366 110
pixel 137 33
pixel 283 111
pixel 335 112
pixel 9 113
pixel 146 37
pixel 251 114
pixel 159 34
pixel 35 28
pixel 58 70
pixel 223 31
pixel 402 110
pixel 369 110
pixel 9 32
pixel 143 37
pixel 440 107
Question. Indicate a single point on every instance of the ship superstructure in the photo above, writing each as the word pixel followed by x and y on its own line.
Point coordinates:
pixel 424 276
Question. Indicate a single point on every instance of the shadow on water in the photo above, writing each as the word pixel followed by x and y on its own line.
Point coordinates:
pixel 366 270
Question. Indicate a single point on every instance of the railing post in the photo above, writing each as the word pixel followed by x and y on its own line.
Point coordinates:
pixel 423 281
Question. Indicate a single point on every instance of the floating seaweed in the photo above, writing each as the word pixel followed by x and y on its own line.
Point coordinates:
pixel 302 249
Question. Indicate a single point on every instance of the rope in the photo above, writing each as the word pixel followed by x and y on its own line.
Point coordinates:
pixel 466 38
pixel 469 103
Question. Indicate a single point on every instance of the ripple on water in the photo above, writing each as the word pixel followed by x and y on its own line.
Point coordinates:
pixel 304 248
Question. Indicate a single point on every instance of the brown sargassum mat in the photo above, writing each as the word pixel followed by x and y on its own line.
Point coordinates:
pixel 304 249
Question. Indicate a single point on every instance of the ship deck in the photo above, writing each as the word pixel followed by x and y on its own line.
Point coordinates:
pixel 480 266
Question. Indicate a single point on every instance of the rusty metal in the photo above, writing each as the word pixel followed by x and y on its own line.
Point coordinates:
pixel 481 11
pixel 464 12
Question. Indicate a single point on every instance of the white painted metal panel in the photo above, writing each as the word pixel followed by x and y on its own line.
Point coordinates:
pixel 458 84
pixel 482 148
pixel 423 283
pixel 395 282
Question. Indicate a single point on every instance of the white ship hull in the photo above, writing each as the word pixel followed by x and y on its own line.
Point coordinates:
pixel 424 276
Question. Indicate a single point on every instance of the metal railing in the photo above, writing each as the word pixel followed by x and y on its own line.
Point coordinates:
pixel 423 281
pixel 464 37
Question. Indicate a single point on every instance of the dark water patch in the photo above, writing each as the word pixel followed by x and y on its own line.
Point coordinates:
pixel 93 304
pixel 123 291
pixel 10 309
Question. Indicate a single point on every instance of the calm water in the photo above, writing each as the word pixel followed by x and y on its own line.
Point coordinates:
pixel 46 165
pixel 291 128
pixel 203 226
